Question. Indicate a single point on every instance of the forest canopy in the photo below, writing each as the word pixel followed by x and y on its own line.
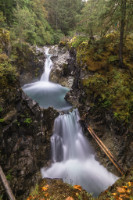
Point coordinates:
pixel 47 21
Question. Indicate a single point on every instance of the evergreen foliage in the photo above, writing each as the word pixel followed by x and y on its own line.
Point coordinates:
pixel 62 14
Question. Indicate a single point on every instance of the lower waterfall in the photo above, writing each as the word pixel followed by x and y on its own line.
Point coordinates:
pixel 73 158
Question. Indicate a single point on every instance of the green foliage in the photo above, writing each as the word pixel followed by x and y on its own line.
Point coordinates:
pixel 9 176
pixel 8 73
pixel 34 191
pixel 1 120
pixel 1 109
pixel 113 58
pixel 62 14
pixel 2 20
pixel 28 121
pixel 1 197
pixel 109 87
pixel 77 40
pixel 112 91
pixel 100 17
pixel 7 9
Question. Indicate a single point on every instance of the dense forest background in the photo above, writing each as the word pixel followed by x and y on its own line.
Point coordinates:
pixel 47 21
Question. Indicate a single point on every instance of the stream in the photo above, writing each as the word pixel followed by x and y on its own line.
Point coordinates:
pixel 73 158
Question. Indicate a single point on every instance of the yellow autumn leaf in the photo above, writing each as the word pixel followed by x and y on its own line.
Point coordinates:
pixel 69 198
pixel 114 194
pixel 130 184
pixel 45 188
pixel 78 187
pixel 124 186
pixel 121 190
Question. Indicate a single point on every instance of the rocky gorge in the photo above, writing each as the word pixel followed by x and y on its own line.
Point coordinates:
pixel 25 128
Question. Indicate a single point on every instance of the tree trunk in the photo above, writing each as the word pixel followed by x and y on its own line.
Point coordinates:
pixel 122 27
pixel 6 185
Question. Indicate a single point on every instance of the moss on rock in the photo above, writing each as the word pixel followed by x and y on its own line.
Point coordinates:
pixel 55 189
pixel 105 84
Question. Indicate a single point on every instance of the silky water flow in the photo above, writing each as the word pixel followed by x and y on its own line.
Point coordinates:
pixel 45 92
pixel 73 159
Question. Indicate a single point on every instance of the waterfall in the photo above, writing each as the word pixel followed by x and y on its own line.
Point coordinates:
pixel 47 66
pixel 45 92
pixel 67 141
pixel 72 156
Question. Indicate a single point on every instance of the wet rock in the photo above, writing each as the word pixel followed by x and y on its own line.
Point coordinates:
pixel 25 131
pixel 25 144
pixel 62 71
pixel 30 63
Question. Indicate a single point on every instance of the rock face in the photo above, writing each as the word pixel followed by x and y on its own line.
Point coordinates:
pixel 25 131
pixel 30 63
pixel 25 143
pixel 63 66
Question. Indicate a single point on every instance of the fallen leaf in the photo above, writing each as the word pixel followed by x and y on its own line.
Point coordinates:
pixel 124 186
pixel 44 188
pixel 69 198
pixel 121 190
pixel 78 187
pixel 130 184
pixel 46 194
pixel 124 195
pixel 114 194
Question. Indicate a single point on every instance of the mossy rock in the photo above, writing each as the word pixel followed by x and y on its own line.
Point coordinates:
pixel 122 189
pixel 109 86
pixel 55 189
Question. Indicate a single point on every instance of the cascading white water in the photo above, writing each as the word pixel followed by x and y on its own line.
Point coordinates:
pixel 72 155
pixel 47 66
pixel 67 141
pixel 73 158
pixel 45 92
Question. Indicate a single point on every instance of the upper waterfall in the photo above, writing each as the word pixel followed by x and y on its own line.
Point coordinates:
pixel 45 92
pixel 47 66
